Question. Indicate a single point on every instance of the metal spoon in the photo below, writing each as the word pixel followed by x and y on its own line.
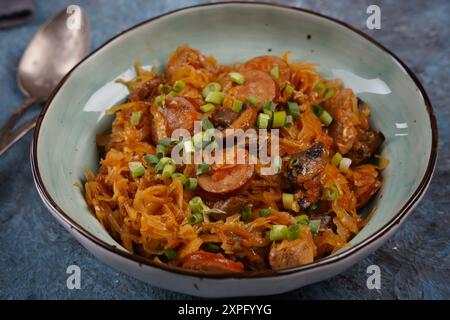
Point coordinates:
pixel 57 47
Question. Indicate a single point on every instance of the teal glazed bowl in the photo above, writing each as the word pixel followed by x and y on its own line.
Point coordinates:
pixel 64 139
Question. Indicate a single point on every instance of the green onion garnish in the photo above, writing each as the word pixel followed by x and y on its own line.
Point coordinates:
pixel 207 124
pixel 211 247
pixel 263 121
pixel 151 159
pixel 211 87
pixel 253 101
pixel 202 168
pixel 191 184
pixel 215 97
pixel 179 85
pixel 168 170
pixel 179 176
pixel 288 200
pixel 265 212
pixel 330 194
pixel 135 118
pixel 289 121
pixel 165 142
pixel 336 159
pixel 246 214
pixel 161 150
pixel 329 94
pixel 237 106
pixel 195 218
pixel 278 232
pixel 237 77
pixel 317 110
pixel 170 254
pixel 319 86
pixel 279 119
pixel 288 91
pixel 326 118
pixel 136 169
pixel 313 207
pixel 275 72
pixel 164 88
pixel 197 205
pixel 162 163
pixel 293 109
pixel 207 107
pixel 160 99
pixel 302 219
pixel 344 165
pixel 314 226
pixel 293 232
pixel 197 140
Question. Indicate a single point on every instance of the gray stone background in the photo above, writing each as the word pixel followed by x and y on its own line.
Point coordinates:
pixel 35 250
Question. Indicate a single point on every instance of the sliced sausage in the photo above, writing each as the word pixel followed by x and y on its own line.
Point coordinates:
pixel 223 117
pixel 178 113
pixel 267 63
pixel 258 84
pixel 185 56
pixel 305 165
pixel 145 90
pixel 364 147
pixel 228 207
pixel 293 253
pixel 211 262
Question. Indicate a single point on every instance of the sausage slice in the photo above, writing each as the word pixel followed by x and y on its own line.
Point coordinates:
pixel 267 63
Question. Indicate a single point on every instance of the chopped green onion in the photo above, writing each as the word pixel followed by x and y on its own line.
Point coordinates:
pixel 278 232
pixel 265 212
pixel 246 214
pixel 330 194
pixel 195 218
pixel 164 88
pixel 165 142
pixel 136 169
pixel 173 93
pixel 302 219
pixel 211 87
pixel 168 170
pixel 253 101
pixel 289 121
pixel 179 85
pixel 288 91
pixel 320 86
pixel 161 150
pixel 277 164
pixel 326 118
pixel 263 121
pixel 329 94
pixel 211 247
pixel 317 110
pixel 179 176
pixel 191 184
pixel 336 159
pixel 151 159
pixel 288 200
pixel 293 162
pixel 135 118
pixel 314 226
pixel 237 106
pixel 170 253
pixel 279 119
pixel 293 232
pixel 202 168
pixel 344 165
pixel 293 109
pixel 162 163
pixel 197 205
pixel 275 72
pixel 160 99
pixel 207 107
pixel 313 207
pixel 215 97
pixel 197 140
pixel 207 124
pixel 269 108
pixel 237 77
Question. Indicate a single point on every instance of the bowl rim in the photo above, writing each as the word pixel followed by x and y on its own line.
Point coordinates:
pixel 396 220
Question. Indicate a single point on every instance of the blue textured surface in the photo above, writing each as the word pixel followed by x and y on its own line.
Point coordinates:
pixel 35 250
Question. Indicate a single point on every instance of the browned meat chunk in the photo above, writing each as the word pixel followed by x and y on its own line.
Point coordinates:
pixel 305 165
pixel 223 117
pixel 364 147
pixel 146 90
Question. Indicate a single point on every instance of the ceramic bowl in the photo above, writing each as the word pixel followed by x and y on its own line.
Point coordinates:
pixel 64 140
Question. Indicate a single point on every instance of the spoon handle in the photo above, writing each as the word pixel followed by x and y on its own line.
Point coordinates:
pixel 15 136
pixel 15 117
